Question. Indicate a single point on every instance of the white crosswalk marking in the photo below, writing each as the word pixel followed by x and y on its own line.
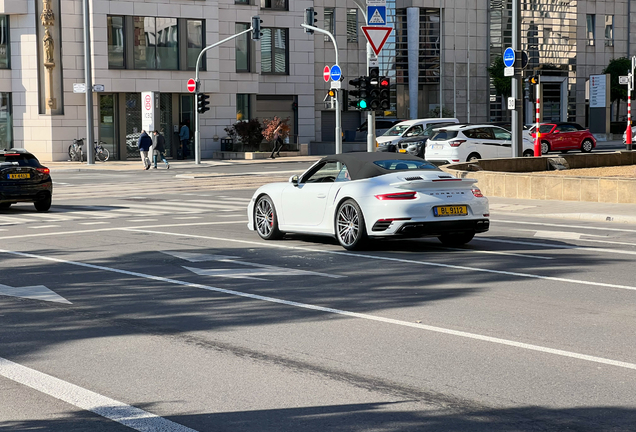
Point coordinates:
pixel 86 214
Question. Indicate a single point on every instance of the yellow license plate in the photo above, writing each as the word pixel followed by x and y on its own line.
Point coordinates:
pixel 402 151
pixel 460 210
pixel 19 176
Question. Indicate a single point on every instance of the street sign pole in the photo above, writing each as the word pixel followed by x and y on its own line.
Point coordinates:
pixel 517 91
pixel 630 87
pixel 370 114
pixel 197 132
pixel 337 98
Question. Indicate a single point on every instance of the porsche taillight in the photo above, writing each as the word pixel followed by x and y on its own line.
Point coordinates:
pixel 477 192
pixel 397 196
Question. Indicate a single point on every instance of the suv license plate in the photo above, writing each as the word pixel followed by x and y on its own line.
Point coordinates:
pixel 19 176
pixel 460 210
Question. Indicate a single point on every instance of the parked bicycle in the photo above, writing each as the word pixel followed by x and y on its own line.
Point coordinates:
pixel 76 151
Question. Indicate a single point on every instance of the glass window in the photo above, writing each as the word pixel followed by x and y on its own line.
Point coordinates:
pixel 274 4
pixel 397 130
pixel 327 173
pixel 242 107
pixel 274 51
pixel 196 42
pixel 445 135
pixel 352 25
pixel 609 30
pixel 5 55
pixel 245 2
pixel 6 121
pixel 116 42
pixel 545 128
pixel 405 164
pixel 167 44
pixel 591 28
pixel 330 22
pixel 19 159
pixel 343 175
pixel 242 48
pixel 144 43
pixel 502 134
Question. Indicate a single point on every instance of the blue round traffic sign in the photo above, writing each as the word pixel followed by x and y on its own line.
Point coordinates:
pixel 336 73
pixel 509 57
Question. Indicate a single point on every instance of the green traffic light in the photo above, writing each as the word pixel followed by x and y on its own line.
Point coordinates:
pixel 362 104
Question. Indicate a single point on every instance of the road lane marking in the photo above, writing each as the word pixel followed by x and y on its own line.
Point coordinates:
pixel 400 260
pixel 36 292
pixel 80 397
pixel 562 225
pixel 435 329
pixel 61 233
pixel 94 223
pixel 558 246
pixel 44 226
pixel 496 253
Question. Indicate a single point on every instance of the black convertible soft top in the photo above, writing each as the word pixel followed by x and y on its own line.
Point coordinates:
pixel 361 164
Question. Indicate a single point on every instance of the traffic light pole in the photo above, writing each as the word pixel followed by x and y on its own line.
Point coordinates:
pixel 371 114
pixel 517 91
pixel 338 111
pixel 197 132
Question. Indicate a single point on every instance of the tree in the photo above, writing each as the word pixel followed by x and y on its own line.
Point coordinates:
pixel 616 68
pixel 250 132
pixel 503 84
pixel 269 126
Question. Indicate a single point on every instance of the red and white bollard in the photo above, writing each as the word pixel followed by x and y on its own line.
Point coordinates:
pixel 628 132
pixel 537 133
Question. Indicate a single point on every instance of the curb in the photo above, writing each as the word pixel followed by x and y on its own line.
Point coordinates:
pixel 592 217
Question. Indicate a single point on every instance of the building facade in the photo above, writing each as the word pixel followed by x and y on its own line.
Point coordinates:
pixel 437 59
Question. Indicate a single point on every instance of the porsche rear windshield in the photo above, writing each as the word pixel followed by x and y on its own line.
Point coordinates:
pixel 18 159
pixel 444 135
pixel 402 164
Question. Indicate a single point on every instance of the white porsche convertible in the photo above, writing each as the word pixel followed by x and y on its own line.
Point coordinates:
pixel 360 196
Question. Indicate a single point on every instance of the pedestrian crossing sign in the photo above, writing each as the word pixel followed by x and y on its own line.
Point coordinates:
pixel 376 15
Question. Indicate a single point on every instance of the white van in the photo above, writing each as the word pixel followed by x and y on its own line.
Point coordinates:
pixel 408 128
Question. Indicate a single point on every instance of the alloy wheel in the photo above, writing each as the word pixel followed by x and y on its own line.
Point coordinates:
pixel 348 224
pixel 264 217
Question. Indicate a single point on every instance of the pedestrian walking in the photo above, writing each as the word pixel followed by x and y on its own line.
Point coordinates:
pixel 158 149
pixel 184 137
pixel 278 142
pixel 145 144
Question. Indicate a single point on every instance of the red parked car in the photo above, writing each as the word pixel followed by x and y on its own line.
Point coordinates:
pixel 565 136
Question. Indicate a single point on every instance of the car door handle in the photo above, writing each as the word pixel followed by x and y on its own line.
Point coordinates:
pixel 321 196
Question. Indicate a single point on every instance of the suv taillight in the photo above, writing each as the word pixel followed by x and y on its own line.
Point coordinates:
pixel 43 170
pixel 456 143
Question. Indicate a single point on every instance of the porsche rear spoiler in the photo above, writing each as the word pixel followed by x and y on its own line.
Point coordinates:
pixel 445 182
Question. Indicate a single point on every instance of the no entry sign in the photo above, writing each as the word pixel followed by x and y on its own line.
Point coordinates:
pixel 192 85
pixel 326 73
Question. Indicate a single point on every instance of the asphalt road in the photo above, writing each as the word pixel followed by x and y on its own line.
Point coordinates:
pixel 157 309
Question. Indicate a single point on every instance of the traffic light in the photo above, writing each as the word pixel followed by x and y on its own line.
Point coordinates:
pixel 310 19
pixel 374 75
pixel 374 94
pixel 534 79
pixel 358 93
pixel 256 27
pixel 202 103
pixel 385 93
pixel 332 93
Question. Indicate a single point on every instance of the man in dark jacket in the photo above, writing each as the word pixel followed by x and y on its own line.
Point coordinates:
pixel 144 143
pixel 158 149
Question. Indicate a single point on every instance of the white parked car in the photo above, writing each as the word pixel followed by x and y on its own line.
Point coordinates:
pixel 464 143
pixel 359 196
pixel 407 129
pixel 633 135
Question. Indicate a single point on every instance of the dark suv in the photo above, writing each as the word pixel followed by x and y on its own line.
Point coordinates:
pixel 24 179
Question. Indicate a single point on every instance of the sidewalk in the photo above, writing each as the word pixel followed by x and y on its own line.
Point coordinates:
pixel 135 165
pixel 572 210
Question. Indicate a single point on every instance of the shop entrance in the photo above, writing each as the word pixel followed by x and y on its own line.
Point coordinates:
pixel 186 116
pixel 108 124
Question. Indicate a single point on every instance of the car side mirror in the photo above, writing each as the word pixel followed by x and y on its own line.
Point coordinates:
pixel 294 180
